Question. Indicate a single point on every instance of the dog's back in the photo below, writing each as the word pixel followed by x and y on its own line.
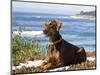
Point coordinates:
pixel 72 54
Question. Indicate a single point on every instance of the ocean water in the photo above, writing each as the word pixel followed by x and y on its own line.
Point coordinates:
pixel 80 32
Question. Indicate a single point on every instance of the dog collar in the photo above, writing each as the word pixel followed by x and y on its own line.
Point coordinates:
pixel 53 43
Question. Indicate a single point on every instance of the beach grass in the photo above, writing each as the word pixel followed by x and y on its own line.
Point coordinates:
pixel 23 50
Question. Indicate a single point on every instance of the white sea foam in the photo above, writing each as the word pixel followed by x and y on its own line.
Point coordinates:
pixel 29 33
pixel 83 17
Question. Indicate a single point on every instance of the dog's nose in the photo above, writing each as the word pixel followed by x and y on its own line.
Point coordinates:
pixel 45 31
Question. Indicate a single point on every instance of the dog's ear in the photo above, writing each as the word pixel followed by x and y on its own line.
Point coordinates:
pixel 59 24
pixel 47 23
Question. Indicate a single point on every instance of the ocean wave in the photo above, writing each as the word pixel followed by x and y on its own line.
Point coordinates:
pixel 50 16
pixel 82 17
pixel 29 33
pixel 39 17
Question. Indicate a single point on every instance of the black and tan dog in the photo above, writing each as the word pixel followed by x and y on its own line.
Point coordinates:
pixel 60 52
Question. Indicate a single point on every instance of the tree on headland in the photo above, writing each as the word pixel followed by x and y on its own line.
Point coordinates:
pixel 88 13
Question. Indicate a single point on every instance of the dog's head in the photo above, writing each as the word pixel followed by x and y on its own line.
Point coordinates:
pixel 52 27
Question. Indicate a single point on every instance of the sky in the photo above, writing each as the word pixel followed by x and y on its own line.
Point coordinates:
pixel 49 8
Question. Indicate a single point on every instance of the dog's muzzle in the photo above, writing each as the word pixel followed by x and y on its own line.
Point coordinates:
pixel 45 32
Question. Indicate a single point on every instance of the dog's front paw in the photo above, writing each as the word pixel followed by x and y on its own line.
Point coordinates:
pixel 47 66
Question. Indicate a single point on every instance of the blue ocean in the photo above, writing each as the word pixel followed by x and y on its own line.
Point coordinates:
pixel 80 32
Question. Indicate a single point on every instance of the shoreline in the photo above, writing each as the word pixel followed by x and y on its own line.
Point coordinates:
pixel 83 17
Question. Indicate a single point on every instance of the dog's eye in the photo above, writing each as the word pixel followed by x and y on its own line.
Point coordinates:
pixel 51 25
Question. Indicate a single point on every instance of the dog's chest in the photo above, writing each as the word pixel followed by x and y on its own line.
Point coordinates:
pixel 52 48
pixel 53 52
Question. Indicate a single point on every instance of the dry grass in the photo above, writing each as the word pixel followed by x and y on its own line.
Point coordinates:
pixel 83 66
pixel 91 54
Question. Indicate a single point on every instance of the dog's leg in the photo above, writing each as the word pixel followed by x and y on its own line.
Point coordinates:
pixel 49 64
pixel 53 61
pixel 80 56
